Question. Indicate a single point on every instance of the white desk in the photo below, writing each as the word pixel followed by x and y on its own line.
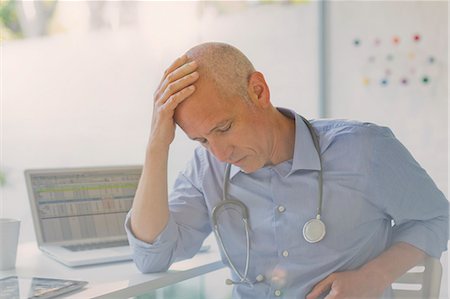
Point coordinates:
pixel 117 280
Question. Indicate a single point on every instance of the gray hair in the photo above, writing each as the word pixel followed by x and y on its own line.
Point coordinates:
pixel 227 67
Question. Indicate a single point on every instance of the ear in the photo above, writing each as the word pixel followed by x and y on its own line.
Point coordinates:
pixel 258 90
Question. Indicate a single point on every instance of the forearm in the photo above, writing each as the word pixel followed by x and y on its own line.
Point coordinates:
pixel 150 211
pixel 393 263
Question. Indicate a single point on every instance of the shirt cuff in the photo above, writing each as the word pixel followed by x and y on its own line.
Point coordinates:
pixel 421 237
pixel 164 242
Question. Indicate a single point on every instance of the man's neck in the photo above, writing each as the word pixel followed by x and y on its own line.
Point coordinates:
pixel 283 138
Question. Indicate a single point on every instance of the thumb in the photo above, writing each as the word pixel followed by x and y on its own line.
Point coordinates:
pixel 320 288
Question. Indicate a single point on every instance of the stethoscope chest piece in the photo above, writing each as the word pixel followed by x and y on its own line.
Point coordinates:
pixel 314 230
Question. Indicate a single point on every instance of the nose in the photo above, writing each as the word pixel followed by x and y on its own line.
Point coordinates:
pixel 221 150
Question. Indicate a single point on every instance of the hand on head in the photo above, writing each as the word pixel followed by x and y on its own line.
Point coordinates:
pixel 176 85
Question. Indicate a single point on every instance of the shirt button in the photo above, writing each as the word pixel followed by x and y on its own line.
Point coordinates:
pixel 281 209
pixel 277 293
pixel 285 253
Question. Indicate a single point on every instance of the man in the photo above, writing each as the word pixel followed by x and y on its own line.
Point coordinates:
pixel 370 181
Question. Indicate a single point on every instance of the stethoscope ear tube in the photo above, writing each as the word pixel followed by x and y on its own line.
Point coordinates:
pixel 244 214
pixel 243 277
pixel 229 202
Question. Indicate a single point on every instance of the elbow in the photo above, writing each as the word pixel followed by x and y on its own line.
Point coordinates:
pixel 150 269
pixel 152 264
pixel 147 270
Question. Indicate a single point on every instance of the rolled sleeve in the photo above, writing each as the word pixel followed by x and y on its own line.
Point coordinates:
pixel 425 235
pixel 187 228
pixel 156 256
pixel 408 196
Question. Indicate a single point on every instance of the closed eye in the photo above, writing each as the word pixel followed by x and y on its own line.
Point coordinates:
pixel 220 130
pixel 225 128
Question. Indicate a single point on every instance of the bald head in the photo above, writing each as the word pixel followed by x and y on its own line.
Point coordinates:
pixel 225 66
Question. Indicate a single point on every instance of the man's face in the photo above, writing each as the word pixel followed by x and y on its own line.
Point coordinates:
pixel 232 129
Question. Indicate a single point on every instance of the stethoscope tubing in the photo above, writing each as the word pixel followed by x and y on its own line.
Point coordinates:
pixel 317 146
pixel 244 212
pixel 313 230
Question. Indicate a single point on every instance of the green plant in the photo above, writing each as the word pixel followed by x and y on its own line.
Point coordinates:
pixel 15 23
pixel 2 179
pixel 9 18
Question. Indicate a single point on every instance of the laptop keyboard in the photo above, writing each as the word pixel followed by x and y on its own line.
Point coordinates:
pixel 98 245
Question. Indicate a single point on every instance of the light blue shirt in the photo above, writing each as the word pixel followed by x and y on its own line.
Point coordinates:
pixel 370 181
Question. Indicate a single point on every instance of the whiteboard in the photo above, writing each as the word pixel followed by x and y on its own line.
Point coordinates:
pixel 388 64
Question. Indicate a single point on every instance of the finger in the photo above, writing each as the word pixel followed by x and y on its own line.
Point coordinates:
pixel 331 295
pixel 177 74
pixel 175 99
pixel 176 64
pixel 321 288
pixel 177 86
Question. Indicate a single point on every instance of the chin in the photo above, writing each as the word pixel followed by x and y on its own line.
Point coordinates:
pixel 248 168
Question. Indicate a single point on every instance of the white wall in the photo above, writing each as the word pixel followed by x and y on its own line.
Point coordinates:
pixel 282 42
pixel 71 101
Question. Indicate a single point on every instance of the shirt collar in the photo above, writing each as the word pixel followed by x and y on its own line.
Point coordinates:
pixel 305 153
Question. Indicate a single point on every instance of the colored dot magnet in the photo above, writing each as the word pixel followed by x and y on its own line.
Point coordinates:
pixel 404 81
pixel 384 82
pixel 416 37
pixel 356 42
pixel 431 59
pixel 366 81
pixel 425 80
pixel 396 40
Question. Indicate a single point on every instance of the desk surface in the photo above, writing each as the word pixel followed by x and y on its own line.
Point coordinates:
pixel 113 280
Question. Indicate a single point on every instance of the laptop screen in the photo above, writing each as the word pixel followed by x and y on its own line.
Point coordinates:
pixel 89 203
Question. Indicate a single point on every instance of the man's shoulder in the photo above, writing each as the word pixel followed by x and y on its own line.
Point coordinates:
pixel 351 135
pixel 340 127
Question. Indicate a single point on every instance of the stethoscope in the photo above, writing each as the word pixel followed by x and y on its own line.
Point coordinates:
pixel 313 230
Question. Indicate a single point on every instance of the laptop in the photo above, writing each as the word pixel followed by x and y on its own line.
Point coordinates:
pixel 79 213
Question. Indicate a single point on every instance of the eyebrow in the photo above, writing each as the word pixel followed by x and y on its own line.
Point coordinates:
pixel 220 124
